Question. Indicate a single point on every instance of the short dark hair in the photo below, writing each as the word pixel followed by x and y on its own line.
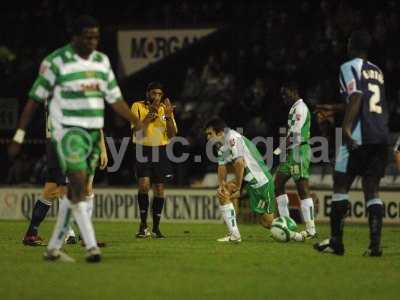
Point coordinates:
pixel 154 85
pixel 82 22
pixel 360 40
pixel 215 123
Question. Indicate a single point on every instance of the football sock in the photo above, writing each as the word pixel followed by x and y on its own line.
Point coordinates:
pixel 375 215
pixel 296 236
pixel 39 212
pixel 61 227
pixel 85 225
pixel 338 214
pixel 143 201
pixel 307 208
pixel 229 216
pixel 157 206
pixel 89 201
pixel 283 205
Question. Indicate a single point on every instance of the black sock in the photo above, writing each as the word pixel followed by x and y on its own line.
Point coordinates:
pixel 143 201
pixel 39 212
pixel 158 204
pixel 375 215
pixel 338 213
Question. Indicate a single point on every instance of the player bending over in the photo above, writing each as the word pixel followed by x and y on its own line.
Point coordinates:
pixel 237 151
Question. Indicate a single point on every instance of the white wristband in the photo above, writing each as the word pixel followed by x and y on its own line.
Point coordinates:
pixel 19 136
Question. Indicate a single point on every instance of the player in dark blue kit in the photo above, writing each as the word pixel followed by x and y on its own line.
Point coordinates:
pixel 366 139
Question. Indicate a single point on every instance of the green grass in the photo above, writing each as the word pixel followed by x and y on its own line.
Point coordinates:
pixel 189 264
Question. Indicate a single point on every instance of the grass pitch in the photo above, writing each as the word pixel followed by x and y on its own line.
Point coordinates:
pixel 189 264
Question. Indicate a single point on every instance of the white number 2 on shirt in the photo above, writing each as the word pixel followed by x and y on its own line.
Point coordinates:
pixel 375 98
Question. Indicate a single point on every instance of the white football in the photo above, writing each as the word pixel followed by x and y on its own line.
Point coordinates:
pixel 280 231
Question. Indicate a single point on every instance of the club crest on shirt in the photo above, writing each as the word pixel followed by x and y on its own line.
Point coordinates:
pixel 298 117
pixel 232 142
pixel 164 117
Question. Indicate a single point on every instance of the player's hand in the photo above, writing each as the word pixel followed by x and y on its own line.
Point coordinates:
pixel 231 186
pixel 223 194
pixel 151 116
pixel 168 108
pixel 103 160
pixel 13 150
pixel 153 111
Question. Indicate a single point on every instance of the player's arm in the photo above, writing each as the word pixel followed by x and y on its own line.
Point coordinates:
pixel 172 129
pixel 19 136
pixel 350 86
pixel 222 173
pixel 351 113
pixel 103 151
pixel 113 96
pixel 121 108
pixel 41 90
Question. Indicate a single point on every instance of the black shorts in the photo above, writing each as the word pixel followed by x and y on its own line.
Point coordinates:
pixel 53 171
pixel 368 160
pixel 157 167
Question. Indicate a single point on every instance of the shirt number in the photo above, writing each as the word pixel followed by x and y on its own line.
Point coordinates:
pixel 375 98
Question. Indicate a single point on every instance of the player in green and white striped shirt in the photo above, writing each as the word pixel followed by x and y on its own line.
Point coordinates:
pixel 241 154
pixel 298 156
pixel 77 79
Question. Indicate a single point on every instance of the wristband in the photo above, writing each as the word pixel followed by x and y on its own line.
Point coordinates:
pixel 19 136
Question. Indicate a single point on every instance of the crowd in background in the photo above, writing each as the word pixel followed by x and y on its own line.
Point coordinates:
pixel 303 41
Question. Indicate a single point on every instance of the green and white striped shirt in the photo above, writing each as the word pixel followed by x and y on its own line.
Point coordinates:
pixel 299 123
pixel 236 145
pixel 76 88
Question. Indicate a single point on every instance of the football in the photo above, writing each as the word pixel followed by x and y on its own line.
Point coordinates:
pixel 281 227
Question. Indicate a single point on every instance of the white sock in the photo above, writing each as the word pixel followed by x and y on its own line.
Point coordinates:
pixel 283 205
pixel 296 236
pixel 85 225
pixel 89 201
pixel 229 216
pixel 61 227
pixel 307 208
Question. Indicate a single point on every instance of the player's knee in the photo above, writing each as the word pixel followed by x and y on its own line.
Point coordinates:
pixel 144 188
pixel 88 189
pixel 158 190
pixel 303 193
pixel 89 185
pixel 51 191
pixel 266 220
pixel 224 202
pixel 76 192
pixel 266 223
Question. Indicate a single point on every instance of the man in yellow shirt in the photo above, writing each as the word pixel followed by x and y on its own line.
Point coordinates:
pixel 153 166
